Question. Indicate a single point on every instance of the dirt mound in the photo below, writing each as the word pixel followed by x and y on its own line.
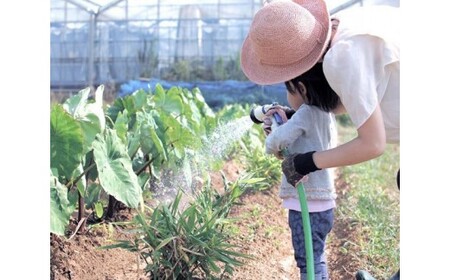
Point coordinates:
pixel 261 231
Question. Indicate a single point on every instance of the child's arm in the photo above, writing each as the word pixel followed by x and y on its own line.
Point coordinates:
pixel 287 133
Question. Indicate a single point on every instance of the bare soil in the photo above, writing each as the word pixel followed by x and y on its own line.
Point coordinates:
pixel 262 231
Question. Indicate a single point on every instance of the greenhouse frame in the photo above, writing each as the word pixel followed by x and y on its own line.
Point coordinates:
pixel 113 41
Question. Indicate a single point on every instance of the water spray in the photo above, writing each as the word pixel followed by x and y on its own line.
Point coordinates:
pixel 257 115
pixel 188 175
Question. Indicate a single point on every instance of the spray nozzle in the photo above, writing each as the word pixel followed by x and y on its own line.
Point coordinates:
pixel 258 113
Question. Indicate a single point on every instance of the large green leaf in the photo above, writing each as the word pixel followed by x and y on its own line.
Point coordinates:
pixel 202 105
pixel 66 142
pixel 59 207
pixel 89 114
pixel 209 118
pixel 151 141
pixel 76 102
pixel 169 101
pixel 178 134
pixel 131 103
pixel 135 102
pixel 121 126
pixel 134 138
pixel 127 132
pixel 115 170
pixel 133 143
pixel 152 144
pixel 194 114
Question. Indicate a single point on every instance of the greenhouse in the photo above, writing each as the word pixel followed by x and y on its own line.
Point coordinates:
pixel 113 42
pixel 167 162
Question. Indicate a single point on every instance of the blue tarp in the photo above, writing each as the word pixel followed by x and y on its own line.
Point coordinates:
pixel 217 93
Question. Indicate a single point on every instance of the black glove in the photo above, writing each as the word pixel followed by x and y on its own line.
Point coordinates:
pixel 297 165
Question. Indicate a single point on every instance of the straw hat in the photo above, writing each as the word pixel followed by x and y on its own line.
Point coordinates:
pixel 286 39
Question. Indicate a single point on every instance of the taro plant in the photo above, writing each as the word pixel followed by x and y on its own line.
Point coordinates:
pixel 117 152
pixel 190 241
pixel 165 123
pixel 81 143
pixel 162 130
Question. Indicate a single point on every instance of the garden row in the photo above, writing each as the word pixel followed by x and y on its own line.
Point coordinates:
pixel 101 155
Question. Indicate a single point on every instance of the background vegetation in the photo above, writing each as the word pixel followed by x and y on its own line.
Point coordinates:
pixel 371 206
pixel 151 135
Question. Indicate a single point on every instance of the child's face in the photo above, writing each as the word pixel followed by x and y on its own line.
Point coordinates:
pixel 295 100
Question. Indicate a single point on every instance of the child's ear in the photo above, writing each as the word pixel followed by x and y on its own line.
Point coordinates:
pixel 303 90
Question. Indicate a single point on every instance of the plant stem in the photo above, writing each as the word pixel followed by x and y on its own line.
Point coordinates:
pixel 74 182
pixel 81 210
pixel 146 165
pixel 111 206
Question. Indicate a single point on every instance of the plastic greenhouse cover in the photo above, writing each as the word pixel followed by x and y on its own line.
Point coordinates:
pixel 216 93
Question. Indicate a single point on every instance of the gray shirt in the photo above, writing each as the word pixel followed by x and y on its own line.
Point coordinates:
pixel 309 129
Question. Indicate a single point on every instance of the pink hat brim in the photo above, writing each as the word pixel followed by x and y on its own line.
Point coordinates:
pixel 265 74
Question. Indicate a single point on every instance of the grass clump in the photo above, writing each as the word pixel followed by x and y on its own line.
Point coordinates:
pixel 372 204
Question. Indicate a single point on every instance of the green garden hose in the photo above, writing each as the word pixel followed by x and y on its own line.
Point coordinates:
pixel 306 227
pixel 306 231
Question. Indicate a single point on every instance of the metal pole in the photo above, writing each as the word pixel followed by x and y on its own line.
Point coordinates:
pixel 92 28
pixel 158 40
pixel 109 6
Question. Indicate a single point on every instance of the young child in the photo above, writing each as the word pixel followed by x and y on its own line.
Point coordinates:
pixel 360 52
pixel 310 128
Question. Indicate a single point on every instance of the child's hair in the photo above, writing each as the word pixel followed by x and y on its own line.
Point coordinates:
pixel 318 91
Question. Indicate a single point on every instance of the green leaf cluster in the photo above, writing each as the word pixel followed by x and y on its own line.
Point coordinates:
pixel 117 150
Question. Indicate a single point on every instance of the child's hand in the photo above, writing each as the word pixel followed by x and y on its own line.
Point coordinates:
pixel 267 121
pixel 267 126
pixel 280 110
